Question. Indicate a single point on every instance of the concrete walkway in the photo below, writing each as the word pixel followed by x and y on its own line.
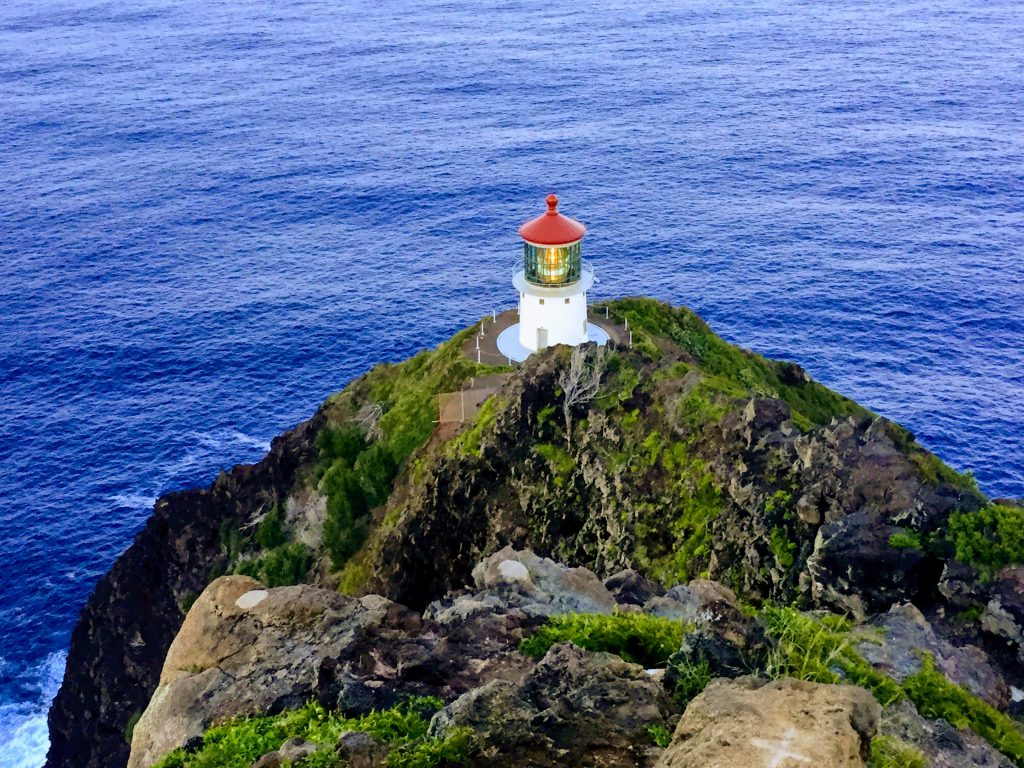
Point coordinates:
pixel 483 348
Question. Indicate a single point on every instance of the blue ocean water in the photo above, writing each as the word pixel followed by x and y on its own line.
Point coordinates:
pixel 213 213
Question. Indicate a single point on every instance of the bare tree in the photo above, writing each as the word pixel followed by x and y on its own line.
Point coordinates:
pixel 369 419
pixel 580 382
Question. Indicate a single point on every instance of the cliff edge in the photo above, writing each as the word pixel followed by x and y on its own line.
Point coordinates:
pixel 680 459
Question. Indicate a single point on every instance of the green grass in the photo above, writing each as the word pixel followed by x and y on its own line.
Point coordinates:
pixel 819 650
pixel 933 470
pixel 936 697
pixel 905 540
pixel 238 743
pixel 989 539
pixel 357 471
pixel 811 402
pixel 636 637
pixel 688 677
pixel 890 752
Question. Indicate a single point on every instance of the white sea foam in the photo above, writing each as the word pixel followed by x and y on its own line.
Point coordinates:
pixel 133 500
pixel 23 736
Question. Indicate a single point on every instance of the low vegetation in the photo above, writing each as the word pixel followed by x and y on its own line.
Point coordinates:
pixel 374 426
pixel 819 649
pixel 636 637
pixel 990 538
pixel 936 697
pixel 890 752
pixel 660 735
pixel 238 743
pixel 281 566
pixel 812 403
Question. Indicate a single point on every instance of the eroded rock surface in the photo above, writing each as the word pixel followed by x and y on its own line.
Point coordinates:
pixel 750 722
pixel 575 708
pixel 245 649
pixel 942 745
pixel 905 634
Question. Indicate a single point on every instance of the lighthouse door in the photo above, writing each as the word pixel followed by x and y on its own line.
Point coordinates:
pixel 542 338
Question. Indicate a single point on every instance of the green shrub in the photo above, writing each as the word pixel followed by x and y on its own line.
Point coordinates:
pixel 819 650
pixel 340 443
pixel 279 567
pixel 782 547
pixel 376 470
pixel 936 697
pixel 660 735
pixel 889 752
pixel 636 637
pixel 560 462
pixel 238 743
pixel 270 532
pixel 346 519
pixel 989 539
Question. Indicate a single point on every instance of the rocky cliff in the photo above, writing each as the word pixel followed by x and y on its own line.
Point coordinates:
pixel 690 462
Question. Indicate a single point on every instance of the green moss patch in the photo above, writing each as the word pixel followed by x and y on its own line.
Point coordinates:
pixel 636 637
pixel 890 752
pixel 238 743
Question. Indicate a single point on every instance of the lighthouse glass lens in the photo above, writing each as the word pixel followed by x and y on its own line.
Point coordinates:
pixel 552 265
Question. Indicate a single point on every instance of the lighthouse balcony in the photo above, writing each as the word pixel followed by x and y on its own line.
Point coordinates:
pixel 585 278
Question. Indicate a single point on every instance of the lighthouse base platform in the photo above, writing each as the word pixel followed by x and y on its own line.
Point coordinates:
pixel 510 347
pixel 483 347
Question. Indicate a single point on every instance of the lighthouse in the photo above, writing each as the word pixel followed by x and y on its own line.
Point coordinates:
pixel 552 283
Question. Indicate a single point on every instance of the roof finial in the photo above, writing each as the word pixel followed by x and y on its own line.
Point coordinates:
pixel 552 201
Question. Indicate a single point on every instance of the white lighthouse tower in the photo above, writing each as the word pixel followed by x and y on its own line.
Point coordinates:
pixel 552 283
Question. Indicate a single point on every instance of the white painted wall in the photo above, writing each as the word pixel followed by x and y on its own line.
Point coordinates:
pixel 561 310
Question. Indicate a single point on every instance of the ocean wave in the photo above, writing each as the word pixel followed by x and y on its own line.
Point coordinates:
pixel 23 731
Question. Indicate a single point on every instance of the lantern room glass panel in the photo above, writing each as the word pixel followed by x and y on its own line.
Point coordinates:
pixel 552 264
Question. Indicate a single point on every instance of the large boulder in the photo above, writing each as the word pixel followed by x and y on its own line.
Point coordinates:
pixel 245 649
pixel 942 745
pixel 687 602
pixel 576 708
pixel 630 587
pixel 549 587
pixel 750 722
pixel 904 634
pixel 725 640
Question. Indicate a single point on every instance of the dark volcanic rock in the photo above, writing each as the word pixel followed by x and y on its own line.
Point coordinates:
pixel 943 745
pixel 731 643
pixel 576 708
pixel 244 649
pixel 630 587
pixel 906 634
pixel 118 646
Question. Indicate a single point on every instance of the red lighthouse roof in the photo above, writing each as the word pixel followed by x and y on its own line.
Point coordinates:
pixel 552 228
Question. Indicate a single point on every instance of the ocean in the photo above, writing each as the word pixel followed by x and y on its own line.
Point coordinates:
pixel 214 213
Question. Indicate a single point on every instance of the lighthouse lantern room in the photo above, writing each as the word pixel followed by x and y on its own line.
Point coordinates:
pixel 552 282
